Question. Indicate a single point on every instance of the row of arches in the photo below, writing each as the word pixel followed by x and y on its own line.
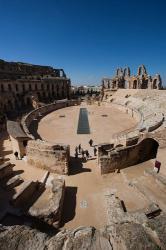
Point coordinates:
pixel 22 87
pixel 18 101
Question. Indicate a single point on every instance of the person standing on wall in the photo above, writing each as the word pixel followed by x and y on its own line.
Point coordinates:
pixel 95 151
pixel 90 142
pixel 16 155
pixel 79 148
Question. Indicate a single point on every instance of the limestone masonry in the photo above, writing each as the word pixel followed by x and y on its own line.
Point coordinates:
pixel 21 83
pixel 124 79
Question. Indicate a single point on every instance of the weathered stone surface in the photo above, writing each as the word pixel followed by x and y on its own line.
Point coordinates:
pixel 158 227
pixel 130 236
pixel 52 157
pixel 116 212
pixel 48 206
pixel 21 237
pixel 122 236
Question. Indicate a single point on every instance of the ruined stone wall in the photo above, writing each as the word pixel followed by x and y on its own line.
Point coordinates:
pixel 52 157
pixel 18 94
pixel 142 80
pixel 18 69
pixel 19 82
pixel 122 157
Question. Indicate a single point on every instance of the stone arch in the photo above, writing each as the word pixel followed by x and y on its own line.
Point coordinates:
pixel 127 71
pixel 155 84
pixel 2 87
pixel 148 149
pixel 28 101
pixel 142 70
pixel 119 72
pixel 23 87
pixel 36 86
pixel 135 84
pixel 9 87
pixel 10 105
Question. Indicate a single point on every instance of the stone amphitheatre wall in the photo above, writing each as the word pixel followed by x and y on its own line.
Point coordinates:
pixel 42 154
pixel 122 157
pixel 52 157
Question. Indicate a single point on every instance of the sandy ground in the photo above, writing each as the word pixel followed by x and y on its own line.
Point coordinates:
pixel 57 129
pixel 85 202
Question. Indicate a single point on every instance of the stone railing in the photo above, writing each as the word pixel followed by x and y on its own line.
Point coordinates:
pixel 38 113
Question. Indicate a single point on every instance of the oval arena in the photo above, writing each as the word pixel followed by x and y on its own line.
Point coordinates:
pixel 49 187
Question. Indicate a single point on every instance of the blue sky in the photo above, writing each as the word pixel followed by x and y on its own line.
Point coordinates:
pixel 88 38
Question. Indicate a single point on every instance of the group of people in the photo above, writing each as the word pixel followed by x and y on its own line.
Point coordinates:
pixel 85 153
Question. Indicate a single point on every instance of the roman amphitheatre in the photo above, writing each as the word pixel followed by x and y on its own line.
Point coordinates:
pixel 54 197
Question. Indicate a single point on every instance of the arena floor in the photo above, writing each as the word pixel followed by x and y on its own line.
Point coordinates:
pixel 61 126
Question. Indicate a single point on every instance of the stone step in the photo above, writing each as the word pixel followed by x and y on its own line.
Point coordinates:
pixel 24 194
pixel 13 182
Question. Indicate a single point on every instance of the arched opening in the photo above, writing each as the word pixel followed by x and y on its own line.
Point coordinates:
pixel 135 84
pixel 2 88
pixel 23 87
pixel 28 101
pixel 39 96
pixel 148 149
pixel 155 84
pixel 16 87
pixel 142 70
pixel 9 87
pixel 10 106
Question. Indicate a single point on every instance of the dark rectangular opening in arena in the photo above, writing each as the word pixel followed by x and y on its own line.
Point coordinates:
pixel 83 122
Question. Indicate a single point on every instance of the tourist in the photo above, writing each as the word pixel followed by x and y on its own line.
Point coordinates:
pixel 79 148
pixel 87 154
pixel 91 142
pixel 157 166
pixel 83 154
pixel 95 151
pixel 76 155
pixel 16 155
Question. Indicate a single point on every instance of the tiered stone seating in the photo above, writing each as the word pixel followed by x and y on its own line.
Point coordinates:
pixel 152 115
pixel 147 106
